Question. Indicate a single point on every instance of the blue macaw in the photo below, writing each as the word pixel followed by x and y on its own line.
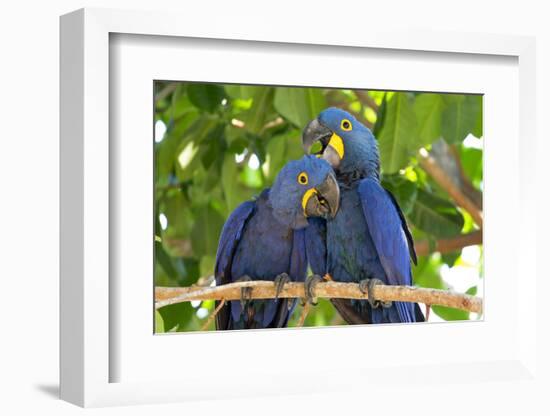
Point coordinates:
pixel 368 242
pixel 267 239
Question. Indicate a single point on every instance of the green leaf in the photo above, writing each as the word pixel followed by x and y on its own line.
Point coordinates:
pixel 299 105
pixel 460 117
pixel 403 190
pixel 234 192
pixel 280 149
pixel 428 109
pixel 159 323
pixel 181 104
pixel 294 148
pixel 435 215
pixel 472 163
pixel 189 152
pixel 426 273
pixel 176 317
pixel 275 155
pixel 472 291
pixel 451 314
pixel 450 258
pixel 381 117
pixel 214 146
pixel 243 92
pixel 175 207
pixel 206 231
pixel 206 97
pixel 252 178
pixel 397 138
pixel 211 183
pixel 166 150
pixel 261 111
pixel 478 128
pixel 165 261
pixel 190 271
pixel 207 265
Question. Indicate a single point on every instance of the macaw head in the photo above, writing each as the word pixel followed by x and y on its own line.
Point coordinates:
pixel 344 142
pixel 304 188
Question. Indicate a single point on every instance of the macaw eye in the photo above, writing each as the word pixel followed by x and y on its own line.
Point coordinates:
pixel 345 125
pixel 303 179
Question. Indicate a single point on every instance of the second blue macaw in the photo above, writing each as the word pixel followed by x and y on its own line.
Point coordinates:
pixel 368 242
pixel 270 239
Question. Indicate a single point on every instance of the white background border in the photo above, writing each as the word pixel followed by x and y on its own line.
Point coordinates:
pixel 95 26
pixel 29 170
pixel 137 60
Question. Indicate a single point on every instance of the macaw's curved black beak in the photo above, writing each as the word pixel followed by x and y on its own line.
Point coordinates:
pixel 324 200
pixel 313 133
pixel 323 142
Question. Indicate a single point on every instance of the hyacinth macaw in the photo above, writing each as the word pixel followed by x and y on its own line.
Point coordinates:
pixel 267 239
pixel 368 242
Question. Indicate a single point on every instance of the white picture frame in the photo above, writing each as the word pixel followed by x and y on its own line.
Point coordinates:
pixel 88 167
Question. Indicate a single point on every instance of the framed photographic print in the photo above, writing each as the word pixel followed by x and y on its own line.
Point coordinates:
pixel 270 205
pixel 222 147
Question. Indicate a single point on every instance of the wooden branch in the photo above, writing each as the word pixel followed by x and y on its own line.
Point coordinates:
pixel 271 124
pixel 266 290
pixel 303 315
pixel 447 245
pixel 430 165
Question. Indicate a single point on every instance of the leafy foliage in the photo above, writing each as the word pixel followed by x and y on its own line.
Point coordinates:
pixel 219 145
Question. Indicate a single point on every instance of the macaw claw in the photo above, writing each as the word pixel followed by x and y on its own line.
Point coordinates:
pixel 367 287
pixel 280 282
pixel 309 288
pixel 246 292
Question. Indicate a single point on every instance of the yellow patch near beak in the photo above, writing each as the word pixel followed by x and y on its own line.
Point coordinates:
pixel 337 144
pixel 309 193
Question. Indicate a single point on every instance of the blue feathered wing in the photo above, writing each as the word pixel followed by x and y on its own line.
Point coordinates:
pixel 231 234
pixel 391 238
pixel 316 245
pixel 268 313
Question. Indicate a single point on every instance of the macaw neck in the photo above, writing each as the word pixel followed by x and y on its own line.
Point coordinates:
pixel 285 214
pixel 365 169
pixel 361 158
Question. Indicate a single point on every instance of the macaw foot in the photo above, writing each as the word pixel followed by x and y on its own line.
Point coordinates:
pixel 280 282
pixel 367 287
pixel 309 288
pixel 246 292
pixel 328 277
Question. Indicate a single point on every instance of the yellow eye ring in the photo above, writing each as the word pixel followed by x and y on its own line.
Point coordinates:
pixel 346 125
pixel 303 178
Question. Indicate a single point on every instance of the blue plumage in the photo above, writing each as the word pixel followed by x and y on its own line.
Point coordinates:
pixel 369 238
pixel 267 237
pixel 390 241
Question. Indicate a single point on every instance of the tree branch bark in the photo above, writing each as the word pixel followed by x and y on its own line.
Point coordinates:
pixel 266 290
pixel 447 245
pixel 430 165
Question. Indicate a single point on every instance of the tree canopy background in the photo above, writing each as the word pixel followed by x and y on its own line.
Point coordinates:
pixel 219 145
